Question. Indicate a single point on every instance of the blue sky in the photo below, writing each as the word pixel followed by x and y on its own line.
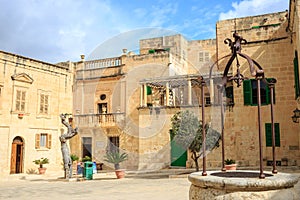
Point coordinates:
pixel 61 30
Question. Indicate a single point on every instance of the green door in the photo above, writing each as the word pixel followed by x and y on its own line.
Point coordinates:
pixel 178 154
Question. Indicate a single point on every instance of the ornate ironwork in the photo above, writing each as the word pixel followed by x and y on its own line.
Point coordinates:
pixel 256 71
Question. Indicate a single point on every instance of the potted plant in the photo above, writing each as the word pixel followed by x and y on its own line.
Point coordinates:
pixel 74 158
pixel 86 158
pixel 116 158
pixel 40 162
pixel 230 164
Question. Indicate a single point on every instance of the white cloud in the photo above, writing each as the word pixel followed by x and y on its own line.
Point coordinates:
pixel 52 30
pixel 254 7
pixel 55 31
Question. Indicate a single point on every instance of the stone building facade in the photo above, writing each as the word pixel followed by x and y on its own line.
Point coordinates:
pixel 269 43
pixel 32 95
pixel 128 101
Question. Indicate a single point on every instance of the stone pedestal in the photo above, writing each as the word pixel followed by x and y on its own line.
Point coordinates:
pixel 242 185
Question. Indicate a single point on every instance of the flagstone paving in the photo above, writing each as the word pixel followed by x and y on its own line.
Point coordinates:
pixel 104 186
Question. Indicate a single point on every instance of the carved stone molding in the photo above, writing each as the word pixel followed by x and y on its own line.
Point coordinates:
pixel 22 77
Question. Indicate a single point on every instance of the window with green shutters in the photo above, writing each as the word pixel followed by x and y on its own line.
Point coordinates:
pixel 250 92
pixel 268 130
pixel 149 90
pixel 296 76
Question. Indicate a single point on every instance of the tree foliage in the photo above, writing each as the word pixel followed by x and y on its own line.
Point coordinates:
pixel 187 132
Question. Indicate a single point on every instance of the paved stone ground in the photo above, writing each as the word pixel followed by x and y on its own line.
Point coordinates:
pixel 104 186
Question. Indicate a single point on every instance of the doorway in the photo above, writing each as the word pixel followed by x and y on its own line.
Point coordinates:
pixel 178 153
pixel 102 108
pixel 17 149
pixel 86 147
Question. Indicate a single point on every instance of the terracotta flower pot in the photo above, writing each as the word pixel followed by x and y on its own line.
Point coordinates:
pixel 231 167
pixel 42 170
pixel 120 173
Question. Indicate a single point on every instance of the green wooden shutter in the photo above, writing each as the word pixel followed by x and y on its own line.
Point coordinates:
pixel 268 130
pixel 277 135
pixel 296 76
pixel 247 92
pixel 149 90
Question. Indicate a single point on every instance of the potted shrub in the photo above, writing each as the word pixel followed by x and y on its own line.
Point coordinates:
pixel 116 158
pixel 230 164
pixel 74 158
pixel 86 158
pixel 40 162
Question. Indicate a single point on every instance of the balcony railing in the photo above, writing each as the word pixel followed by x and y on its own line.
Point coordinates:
pixel 103 63
pixel 103 120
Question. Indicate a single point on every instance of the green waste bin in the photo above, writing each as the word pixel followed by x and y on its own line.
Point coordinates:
pixel 88 170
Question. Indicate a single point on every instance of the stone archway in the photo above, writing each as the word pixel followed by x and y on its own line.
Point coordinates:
pixel 17 152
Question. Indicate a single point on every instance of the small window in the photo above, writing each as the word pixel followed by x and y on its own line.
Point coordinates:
pixel 43 140
pixel 103 96
pixel 206 58
pixel 203 56
pixel 20 100
pixel 207 101
pixel 43 107
pixel 268 130
pixel 250 92
pixel 44 104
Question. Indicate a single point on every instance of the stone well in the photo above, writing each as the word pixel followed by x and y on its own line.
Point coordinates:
pixel 242 184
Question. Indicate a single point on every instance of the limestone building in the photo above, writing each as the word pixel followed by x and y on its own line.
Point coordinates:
pixel 32 95
pixel 127 101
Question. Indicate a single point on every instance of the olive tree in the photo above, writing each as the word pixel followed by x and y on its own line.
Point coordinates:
pixel 187 132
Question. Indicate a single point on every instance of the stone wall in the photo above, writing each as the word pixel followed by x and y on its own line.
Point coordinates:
pixel 35 77
pixel 270 45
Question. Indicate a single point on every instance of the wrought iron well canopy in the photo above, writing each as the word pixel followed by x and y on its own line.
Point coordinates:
pixel 256 71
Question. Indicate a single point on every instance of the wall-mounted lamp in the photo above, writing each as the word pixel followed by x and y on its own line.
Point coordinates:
pixel 296 115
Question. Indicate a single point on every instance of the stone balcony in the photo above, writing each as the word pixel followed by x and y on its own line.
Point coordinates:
pixel 103 120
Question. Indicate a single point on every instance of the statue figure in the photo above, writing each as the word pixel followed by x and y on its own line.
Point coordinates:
pixel 64 147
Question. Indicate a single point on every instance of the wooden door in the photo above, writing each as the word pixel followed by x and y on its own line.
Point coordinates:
pixel 13 158
pixel 16 163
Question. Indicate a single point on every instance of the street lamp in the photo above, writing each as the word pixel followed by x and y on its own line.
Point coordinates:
pixel 296 115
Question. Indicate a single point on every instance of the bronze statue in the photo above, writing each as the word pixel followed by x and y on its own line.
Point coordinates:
pixel 64 147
